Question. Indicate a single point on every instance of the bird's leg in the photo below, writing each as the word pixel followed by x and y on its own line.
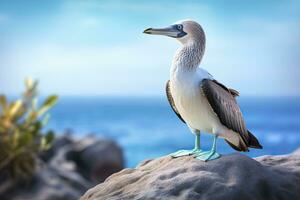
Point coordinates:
pixel 197 143
pixel 189 152
pixel 209 155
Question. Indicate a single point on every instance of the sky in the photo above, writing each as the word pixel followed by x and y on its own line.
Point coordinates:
pixel 97 48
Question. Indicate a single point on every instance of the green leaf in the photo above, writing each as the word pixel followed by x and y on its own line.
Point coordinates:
pixel 36 127
pixel 34 103
pixel 45 120
pixel 14 108
pixel 49 102
pixel 26 139
pixel 3 102
pixel 16 138
pixel 47 140
pixel 50 137
pixel 31 117
pixel 29 83
pixel 30 91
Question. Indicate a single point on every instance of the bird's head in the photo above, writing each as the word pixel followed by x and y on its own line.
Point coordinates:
pixel 185 31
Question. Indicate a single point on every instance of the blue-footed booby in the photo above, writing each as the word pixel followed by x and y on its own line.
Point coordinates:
pixel 200 101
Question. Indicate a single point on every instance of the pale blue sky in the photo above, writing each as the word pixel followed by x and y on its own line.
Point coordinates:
pixel 97 47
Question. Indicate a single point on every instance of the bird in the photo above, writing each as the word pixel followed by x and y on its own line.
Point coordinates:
pixel 204 104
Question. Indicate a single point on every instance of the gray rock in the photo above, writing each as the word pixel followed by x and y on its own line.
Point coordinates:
pixel 59 142
pixel 233 176
pixel 97 159
pixel 49 184
pixel 67 170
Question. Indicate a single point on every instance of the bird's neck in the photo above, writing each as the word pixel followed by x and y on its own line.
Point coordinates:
pixel 188 57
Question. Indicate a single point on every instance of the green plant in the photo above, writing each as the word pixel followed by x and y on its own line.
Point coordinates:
pixel 21 134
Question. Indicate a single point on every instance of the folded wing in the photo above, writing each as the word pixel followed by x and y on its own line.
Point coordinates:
pixel 171 101
pixel 223 103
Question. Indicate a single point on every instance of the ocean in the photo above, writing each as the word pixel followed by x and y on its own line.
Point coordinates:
pixel 147 127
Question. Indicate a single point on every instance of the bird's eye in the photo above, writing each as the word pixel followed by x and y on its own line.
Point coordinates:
pixel 180 27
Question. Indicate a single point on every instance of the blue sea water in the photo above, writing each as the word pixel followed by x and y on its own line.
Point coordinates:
pixel 148 128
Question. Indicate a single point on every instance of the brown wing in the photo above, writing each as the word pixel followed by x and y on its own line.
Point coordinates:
pixel 171 101
pixel 225 106
pixel 234 92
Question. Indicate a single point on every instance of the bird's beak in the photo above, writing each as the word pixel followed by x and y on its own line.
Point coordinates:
pixel 170 31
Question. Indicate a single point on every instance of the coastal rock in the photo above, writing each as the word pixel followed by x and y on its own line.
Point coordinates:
pixel 49 184
pixel 59 143
pixel 97 159
pixel 233 176
pixel 68 169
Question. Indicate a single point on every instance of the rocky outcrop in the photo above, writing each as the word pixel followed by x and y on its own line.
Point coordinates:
pixel 68 169
pixel 97 159
pixel 233 176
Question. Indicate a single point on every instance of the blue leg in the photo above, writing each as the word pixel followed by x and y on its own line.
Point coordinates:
pixel 209 155
pixel 196 150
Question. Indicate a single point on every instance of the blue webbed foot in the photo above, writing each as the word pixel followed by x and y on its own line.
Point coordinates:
pixel 207 155
pixel 181 153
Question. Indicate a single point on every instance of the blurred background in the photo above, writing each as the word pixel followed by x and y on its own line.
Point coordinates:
pixel 110 78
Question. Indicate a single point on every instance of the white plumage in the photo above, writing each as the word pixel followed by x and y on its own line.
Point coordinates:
pixel 190 101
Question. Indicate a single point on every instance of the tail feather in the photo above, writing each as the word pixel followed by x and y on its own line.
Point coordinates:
pixel 253 141
pixel 238 143
pixel 237 147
